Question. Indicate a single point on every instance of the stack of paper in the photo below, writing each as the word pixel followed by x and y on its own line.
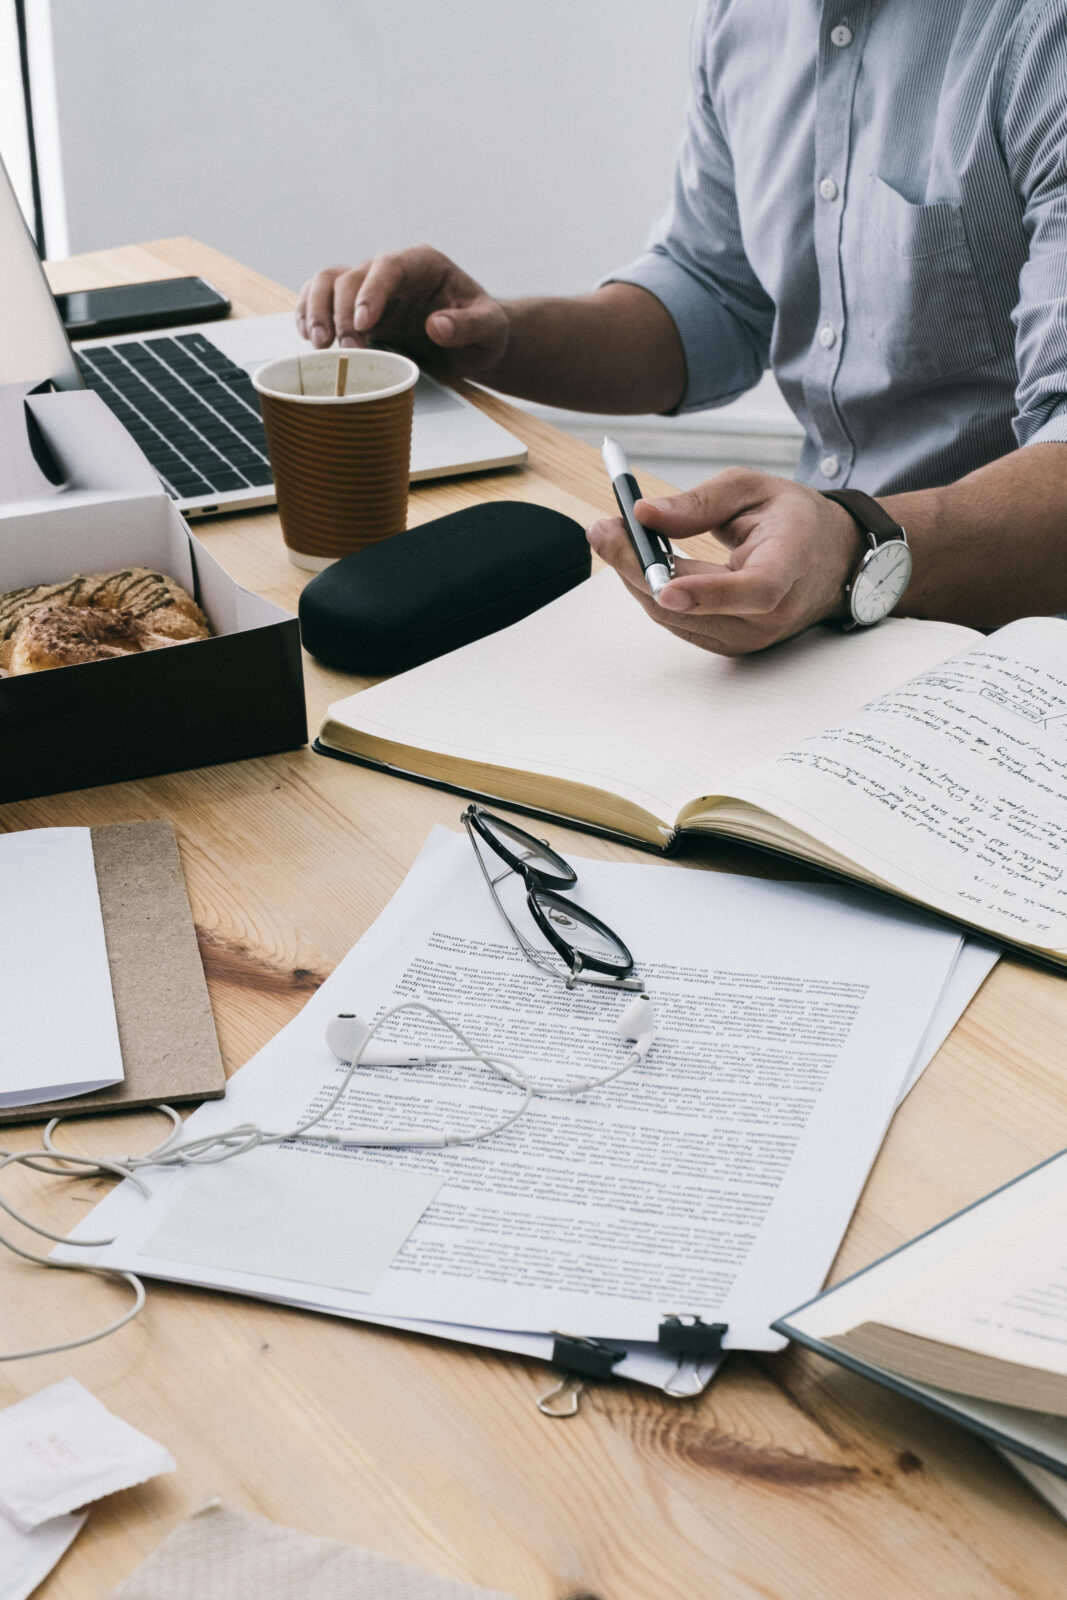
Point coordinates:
pixel 716 1179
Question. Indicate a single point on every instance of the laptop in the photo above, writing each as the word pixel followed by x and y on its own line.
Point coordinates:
pixel 186 395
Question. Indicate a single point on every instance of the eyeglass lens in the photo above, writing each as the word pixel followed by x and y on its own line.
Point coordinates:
pixel 515 845
pixel 573 929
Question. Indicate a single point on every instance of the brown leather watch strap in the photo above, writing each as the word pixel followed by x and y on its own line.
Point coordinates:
pixel 872 518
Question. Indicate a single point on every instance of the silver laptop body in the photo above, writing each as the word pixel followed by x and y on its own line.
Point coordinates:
pixel 184 392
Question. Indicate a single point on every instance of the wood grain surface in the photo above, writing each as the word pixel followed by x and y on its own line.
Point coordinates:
pixel 787 1480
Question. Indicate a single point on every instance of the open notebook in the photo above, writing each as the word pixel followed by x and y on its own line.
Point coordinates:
pixel 916 757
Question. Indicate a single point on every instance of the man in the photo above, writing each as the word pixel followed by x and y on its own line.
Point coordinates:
pixel 871 198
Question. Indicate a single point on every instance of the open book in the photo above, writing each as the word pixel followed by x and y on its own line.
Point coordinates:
pixel 970 1318
pixel 918 757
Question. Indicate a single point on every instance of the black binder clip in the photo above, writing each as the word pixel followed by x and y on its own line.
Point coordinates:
pixel 691 1338
pixel 578 1359
pixel 694 1342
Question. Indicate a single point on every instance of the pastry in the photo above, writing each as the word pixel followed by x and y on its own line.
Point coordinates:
pixel 95 618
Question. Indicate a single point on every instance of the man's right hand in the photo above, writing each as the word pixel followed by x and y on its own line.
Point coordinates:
pixel 415 299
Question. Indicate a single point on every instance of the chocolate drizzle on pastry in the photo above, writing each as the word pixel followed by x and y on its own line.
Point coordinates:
pixel 95 618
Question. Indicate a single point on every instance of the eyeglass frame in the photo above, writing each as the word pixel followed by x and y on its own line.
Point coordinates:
pixel 548 884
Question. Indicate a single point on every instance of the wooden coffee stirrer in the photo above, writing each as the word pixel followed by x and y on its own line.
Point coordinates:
pixel 342 377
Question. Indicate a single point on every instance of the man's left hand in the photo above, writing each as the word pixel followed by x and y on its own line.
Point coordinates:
pixel 792 552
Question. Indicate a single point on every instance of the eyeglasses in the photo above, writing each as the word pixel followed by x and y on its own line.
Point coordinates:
pixel 590 950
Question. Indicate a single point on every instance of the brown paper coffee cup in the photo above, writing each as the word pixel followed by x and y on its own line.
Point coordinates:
pixel 340 462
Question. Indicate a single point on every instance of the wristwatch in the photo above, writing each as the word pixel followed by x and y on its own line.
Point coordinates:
pixel 882 575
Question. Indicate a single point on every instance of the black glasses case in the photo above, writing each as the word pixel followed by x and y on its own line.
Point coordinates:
pixel 436 587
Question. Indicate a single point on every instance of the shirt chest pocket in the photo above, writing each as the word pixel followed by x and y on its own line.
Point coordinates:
pixel 922 302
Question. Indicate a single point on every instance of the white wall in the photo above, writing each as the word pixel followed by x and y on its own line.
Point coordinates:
pixel 531 139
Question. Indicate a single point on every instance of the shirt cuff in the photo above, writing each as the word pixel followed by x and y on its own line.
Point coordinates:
pixel 1052 431
pixel 720 358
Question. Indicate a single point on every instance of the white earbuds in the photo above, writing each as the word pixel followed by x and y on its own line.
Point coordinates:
pixel 355 1043
pixel 347 1034
pixel 638 1022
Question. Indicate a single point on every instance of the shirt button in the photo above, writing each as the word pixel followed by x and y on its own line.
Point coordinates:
pixel 828 189
pixel 826 337
pixel 841 36
pixel 828 466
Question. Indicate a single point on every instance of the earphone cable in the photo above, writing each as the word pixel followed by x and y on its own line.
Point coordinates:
pixel 211 1149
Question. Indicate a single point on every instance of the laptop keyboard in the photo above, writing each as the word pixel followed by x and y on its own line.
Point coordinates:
pixel 191 409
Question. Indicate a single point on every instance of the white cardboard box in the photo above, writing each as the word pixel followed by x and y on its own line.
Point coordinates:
pixel 236 695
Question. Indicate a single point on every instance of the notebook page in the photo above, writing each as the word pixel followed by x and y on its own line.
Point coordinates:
pixel 591 691
pixel 1010 1301
pixel 963 1242
pixel 57 1012
pixel 952 788
pixel 719 1177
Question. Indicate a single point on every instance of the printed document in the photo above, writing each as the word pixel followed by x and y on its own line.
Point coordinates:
pixel 716 1178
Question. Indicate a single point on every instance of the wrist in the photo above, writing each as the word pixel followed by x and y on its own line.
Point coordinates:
pixel 513 371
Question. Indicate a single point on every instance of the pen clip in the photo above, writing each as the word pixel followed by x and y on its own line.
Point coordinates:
pixel 664 547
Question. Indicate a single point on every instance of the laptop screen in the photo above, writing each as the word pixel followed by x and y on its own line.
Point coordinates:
pixel 33 341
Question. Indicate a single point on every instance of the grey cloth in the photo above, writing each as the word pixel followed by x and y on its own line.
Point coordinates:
pixel 871 198
pixel 223 1553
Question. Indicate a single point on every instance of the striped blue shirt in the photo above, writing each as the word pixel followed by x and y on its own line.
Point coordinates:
pixel 871 199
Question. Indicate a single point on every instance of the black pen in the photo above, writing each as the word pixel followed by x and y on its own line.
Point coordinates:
pixel 651 549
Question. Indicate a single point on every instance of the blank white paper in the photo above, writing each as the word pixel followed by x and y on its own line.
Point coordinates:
pixel 57 1012
pixel 294 1215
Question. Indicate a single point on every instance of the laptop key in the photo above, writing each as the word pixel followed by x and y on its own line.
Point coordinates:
pixel 205 351
pixel 255 472
pixel 222 480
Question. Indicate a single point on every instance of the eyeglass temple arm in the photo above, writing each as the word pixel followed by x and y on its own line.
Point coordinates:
pixel 520 939
pixel 602 980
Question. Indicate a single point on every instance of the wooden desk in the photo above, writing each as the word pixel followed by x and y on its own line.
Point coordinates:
pixel 787 1479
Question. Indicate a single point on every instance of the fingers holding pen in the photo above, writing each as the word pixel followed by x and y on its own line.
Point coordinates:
pixel 725 505
pixel 699 586
pixel 728 610
pixel 609 539
pixel 755 588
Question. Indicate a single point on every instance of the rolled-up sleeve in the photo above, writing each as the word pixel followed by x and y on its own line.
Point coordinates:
pixel 1035 145
pixel 695 263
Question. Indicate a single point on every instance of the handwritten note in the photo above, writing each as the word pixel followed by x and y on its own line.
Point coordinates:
pixel 953 787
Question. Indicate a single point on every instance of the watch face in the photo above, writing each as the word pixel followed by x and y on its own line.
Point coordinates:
pixel 880 582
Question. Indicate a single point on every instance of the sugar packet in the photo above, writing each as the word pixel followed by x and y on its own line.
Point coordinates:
pixel 61 1448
